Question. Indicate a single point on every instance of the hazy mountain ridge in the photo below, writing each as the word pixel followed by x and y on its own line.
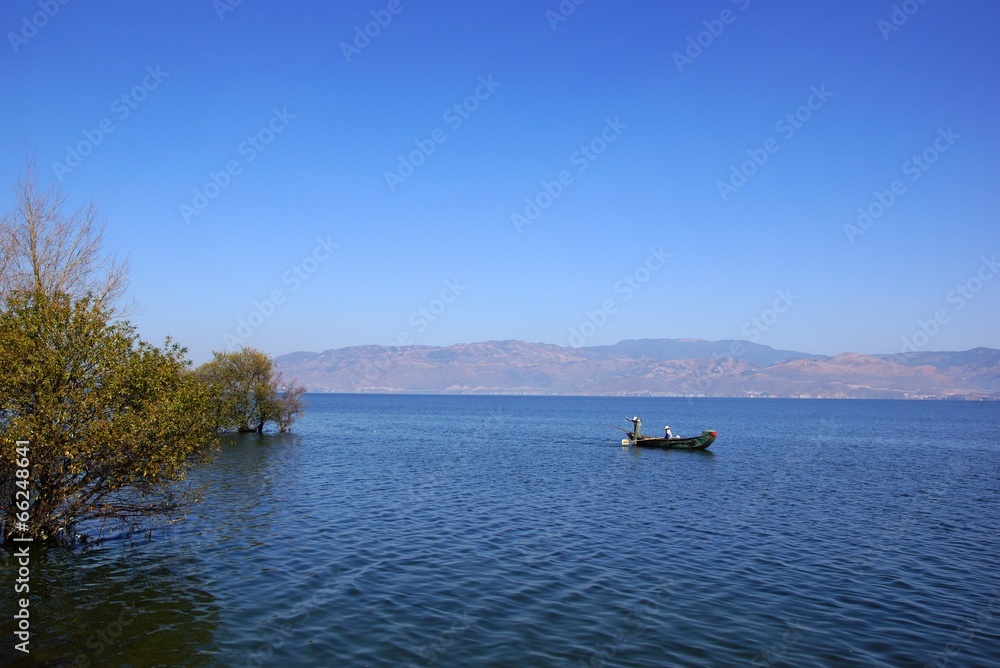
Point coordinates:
pixel 648 366
pixel 683 349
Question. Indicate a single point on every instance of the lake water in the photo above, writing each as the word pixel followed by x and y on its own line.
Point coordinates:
pixel 517 531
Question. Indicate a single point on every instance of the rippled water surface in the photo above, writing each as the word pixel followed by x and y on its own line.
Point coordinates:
pixel 508 531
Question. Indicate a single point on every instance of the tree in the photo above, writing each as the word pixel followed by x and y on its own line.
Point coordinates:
pixel 44 251
pixel 111 421
pixel 248 392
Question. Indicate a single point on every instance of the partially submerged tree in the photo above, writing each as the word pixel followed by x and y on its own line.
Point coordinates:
pixel 249 393
pixel 111 421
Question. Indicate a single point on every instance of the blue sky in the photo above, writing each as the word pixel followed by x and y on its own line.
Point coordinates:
pixel 621 170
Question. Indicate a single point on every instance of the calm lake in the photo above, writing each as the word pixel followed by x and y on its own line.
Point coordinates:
pixel 517 531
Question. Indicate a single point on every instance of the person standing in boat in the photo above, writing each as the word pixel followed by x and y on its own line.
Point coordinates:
pixel 636 426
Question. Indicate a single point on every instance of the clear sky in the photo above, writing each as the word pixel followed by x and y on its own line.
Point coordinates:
pixel 468 171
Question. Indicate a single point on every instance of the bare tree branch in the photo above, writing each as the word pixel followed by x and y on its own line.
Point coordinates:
pixel 44 250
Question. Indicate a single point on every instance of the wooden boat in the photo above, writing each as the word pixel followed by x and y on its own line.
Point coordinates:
pixel 635 437
pixel 677 443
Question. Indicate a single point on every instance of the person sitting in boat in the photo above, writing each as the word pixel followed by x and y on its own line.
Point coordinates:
pixel 668 434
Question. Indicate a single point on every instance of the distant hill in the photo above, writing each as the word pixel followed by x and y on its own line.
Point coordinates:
pixel 980 367
pixel 694 349
pixel 649 366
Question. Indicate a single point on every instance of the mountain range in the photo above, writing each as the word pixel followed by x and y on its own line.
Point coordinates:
pixel 669 367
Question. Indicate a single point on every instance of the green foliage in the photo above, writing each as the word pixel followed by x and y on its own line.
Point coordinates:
pixel 248 393
pixel 111 420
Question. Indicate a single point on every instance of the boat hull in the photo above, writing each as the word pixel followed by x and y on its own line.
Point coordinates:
pixel 692 443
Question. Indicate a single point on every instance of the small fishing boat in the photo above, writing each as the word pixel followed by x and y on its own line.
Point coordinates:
pixel 668 441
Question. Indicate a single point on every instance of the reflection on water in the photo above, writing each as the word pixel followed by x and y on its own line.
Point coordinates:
pixel 455 531
pixel 116 604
